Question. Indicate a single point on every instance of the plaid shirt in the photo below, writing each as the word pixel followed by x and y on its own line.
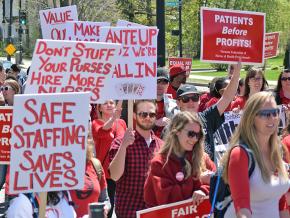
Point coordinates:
pixel 130 187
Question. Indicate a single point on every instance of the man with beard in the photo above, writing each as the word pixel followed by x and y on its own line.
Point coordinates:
pixel 130 157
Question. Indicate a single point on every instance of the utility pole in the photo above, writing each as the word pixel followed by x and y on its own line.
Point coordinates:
pixel 10 28
pixel 180 27
pixel 160 22
pixel 20 31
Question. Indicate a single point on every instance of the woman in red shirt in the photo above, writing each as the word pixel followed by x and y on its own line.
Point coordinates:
pixel 105 129
pixel 176 171
pixel 254 82
pixel 282 90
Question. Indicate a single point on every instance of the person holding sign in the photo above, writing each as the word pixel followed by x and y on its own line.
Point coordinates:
pixel 130 158
pixel 282 91
pixel 95 187
pixel 254 82
pixel 176 172
pixel 105 129
pixel 261 195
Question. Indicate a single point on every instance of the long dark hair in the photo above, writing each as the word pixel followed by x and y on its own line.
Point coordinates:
pixel 252 72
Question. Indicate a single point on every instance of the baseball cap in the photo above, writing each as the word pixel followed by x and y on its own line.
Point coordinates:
pixel 162 73
pixel 176 70
pixel 185 89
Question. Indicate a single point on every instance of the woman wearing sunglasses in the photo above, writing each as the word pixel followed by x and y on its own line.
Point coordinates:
pixel 254 82
pixel 261 195
pixel 282 90
pixel 176 170
pixel 8 90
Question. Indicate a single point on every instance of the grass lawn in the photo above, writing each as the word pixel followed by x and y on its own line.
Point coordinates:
pixel 273 68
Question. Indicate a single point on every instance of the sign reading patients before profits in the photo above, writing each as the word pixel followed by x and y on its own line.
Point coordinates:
pixel 48 143
pixel 227 35
pixel 5 134
pixel 271 44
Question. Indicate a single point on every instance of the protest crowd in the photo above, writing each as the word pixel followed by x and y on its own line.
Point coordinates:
pixel 71 141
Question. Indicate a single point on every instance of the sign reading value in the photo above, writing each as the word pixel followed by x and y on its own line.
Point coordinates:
pixel 227 35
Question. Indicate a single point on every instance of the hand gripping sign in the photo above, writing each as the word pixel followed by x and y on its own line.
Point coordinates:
pixel 48 144
pixel 227 35
pixel 70 66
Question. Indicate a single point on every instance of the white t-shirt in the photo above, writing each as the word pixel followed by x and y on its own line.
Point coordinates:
pixel 20 207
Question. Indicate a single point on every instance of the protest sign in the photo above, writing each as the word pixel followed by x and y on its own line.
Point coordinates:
pixel 271 44
pixel 227 35
pixel 184 209
pixel 84 30
pixel 186 62
pixel 48 143
pixel 53 21
pixel 5 134
pixel 135 73
pixel 126 23
pixel 70 66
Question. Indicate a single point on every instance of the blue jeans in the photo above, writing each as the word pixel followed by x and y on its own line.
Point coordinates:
pixel 3 171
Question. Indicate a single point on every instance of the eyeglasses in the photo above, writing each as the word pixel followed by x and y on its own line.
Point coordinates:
pixel 146 114
pixel 162 81
pixel 192 134
pixel 5 88
pixel 185 98
pixel 268 112
pixel 256 79
pixel 285 78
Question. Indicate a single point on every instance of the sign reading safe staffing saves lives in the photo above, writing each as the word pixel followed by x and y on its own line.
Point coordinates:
pixel 227 35
pixel 48 143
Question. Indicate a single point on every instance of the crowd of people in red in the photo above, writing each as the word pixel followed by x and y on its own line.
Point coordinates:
pixel 169 155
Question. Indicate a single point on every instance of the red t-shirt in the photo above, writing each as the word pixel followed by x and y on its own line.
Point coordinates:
pixel 239 101
pixel 284 100
pixel 204 98
pixel 172 91
pixel 163 186
pixel 213 101
pixel 90 192
pixel 103 139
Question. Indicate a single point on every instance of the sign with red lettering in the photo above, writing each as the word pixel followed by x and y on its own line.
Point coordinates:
pixel 53 21
pixel 70 66
pixel 186 62
pixel 128 23
pixel 84 30
pixel 135 73
pixel 48 143
pixel 181 209
pixel 5 134
pixel 227 35
pixel 271 44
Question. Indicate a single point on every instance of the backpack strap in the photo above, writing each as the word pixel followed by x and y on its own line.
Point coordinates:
pixel 98 168
pixel 251 165
pixel 67 197
pixel 34 203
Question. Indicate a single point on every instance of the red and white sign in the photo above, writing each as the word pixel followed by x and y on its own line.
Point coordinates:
pixel 186 62
pixel 70 66
pixel 84 30
pixel 227 35
pixel 181 209
pixel 48 143
pixel 53 21
pixel 5 134
pixel 135 73
pixel 271 44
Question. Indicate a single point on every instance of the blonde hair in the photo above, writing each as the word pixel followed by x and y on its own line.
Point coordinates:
pixel 246 133
pixel 172 144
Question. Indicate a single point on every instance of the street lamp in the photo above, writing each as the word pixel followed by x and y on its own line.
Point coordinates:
pixel 180 27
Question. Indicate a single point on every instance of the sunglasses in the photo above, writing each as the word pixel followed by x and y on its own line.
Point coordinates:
pixel 186 99
pixel 5 88
pixel 285 78
pixel 267 113
pixel 146 114
pixel 192 134
pixel 162 81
